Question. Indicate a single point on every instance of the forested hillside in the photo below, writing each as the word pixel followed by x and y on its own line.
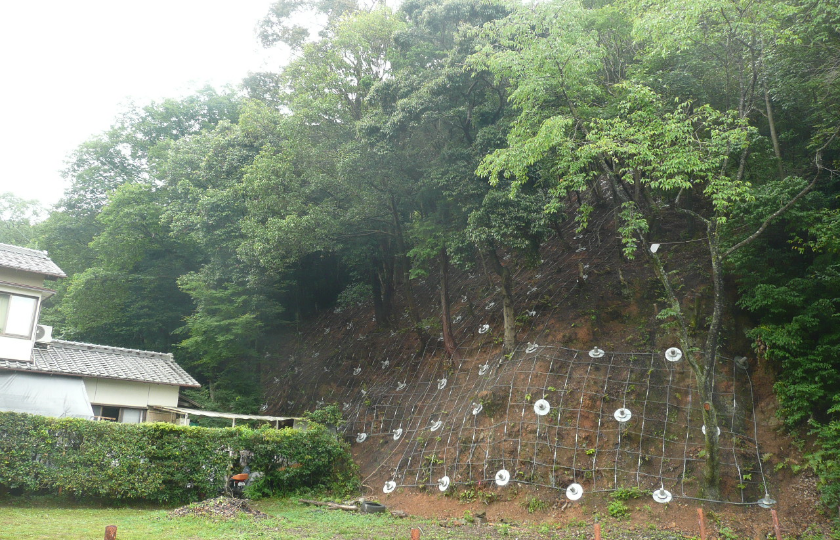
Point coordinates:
pixel 408 143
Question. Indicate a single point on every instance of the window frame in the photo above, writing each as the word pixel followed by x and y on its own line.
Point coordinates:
pixel 4 317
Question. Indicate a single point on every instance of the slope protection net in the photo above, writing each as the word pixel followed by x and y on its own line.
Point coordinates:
pixel 545 415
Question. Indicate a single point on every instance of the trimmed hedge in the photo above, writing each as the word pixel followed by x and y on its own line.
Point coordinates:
pixel 163 463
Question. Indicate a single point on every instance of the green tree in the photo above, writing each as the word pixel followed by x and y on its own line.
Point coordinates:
pixel 652 155
pixel 18 218
pixel 129 296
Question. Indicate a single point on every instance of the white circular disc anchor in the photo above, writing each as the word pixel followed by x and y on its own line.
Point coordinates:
pixel 436 425
pixel 477 409
pixel 441 384
pixel 398 433
pixel 662 496
pixel 596 353
pixel 361 437
pixel 574 492
pixel 502 477
pixel 623 415
pixel 673 354
pixel 541 407
pixel 703 429
pixel 766 501
pixel 390 486
pixel 443 483
pixel 484 328
pixel 532 347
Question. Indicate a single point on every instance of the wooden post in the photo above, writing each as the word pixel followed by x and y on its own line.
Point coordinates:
pixel 702 520
pixel 776 524
pixel 415 534
pixel 111 532
pixel 597 531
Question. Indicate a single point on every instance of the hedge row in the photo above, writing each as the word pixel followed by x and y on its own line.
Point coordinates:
pixel 163 463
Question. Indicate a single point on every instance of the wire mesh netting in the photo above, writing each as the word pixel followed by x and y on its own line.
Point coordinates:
pixel 545 415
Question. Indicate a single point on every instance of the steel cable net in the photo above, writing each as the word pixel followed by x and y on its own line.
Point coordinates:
pixel 545 415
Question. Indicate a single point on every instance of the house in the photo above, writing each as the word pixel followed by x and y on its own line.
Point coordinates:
pixel 53 377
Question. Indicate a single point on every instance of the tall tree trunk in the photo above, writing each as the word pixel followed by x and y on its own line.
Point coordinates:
pixel 707 381
pixel 773 136
pixel 388 279
pixel 445 315
pixel 701 361
pixel 507 300
pixel 376 285
pixel 402 260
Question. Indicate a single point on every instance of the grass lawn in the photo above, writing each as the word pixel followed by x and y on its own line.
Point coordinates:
pixel 51 519
pixel 31 518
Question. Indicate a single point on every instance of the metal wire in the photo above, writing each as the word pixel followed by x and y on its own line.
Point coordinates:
pixel 471 448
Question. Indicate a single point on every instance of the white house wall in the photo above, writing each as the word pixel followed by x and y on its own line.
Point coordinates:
pixel 15 348
pixel 130 394
pixel 31 279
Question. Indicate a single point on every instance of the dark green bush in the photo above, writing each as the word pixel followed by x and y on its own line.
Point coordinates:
pixel 826 460
pixel 163 463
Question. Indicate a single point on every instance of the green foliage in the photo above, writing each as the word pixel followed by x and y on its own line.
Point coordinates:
pixel 535 504
pixel 162 462
pixel 624 494
pixel 727 533
pixel 395 140
pixel 355 293
pixel 633 226
pixel 825 460
pixel 329 415
pixel 618 509
pixel 17 220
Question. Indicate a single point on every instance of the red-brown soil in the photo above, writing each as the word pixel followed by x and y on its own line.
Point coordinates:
pixel 583 294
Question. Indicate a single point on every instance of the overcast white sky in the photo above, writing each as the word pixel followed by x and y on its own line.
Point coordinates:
pixel 67 68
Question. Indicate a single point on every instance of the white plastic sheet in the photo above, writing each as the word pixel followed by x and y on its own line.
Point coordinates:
pixel 47 395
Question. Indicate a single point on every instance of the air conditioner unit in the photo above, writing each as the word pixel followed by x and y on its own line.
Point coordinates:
pixel 43 333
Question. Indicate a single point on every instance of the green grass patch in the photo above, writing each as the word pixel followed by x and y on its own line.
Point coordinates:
pixel 35 518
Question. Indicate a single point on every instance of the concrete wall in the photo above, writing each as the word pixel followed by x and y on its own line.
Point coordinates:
pixel 130 394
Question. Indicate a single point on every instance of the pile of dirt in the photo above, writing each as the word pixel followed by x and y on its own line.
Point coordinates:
pixel 220 507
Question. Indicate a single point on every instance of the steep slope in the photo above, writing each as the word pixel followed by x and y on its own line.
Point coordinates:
pixel 589 346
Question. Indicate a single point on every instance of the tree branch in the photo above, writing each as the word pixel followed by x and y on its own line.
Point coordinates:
pixel 783 209
pixel 693 214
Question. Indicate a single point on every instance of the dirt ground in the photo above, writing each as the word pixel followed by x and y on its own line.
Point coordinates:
pixel 614 306
pixel 798 508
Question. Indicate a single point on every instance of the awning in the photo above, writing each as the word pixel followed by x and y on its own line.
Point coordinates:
pixel 276 420
pixel 47 395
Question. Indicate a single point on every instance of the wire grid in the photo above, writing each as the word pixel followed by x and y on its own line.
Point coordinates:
pixel 423 418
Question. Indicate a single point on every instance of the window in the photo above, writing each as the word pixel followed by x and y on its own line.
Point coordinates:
pixel 132 416
pixel 119 414
pixel 17 314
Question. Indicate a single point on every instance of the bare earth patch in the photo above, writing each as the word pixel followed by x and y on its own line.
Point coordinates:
pixel 220 507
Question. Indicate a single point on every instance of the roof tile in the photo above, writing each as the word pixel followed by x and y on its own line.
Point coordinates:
pixel 88 360
pixel 29 260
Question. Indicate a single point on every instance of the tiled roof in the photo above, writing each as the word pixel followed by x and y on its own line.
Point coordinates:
pixel 29 260
pixel 87 360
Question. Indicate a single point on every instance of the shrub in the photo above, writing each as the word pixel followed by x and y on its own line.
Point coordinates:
pixel 618 509
pixel 826 460
pixel 625 494
pixel 163 463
